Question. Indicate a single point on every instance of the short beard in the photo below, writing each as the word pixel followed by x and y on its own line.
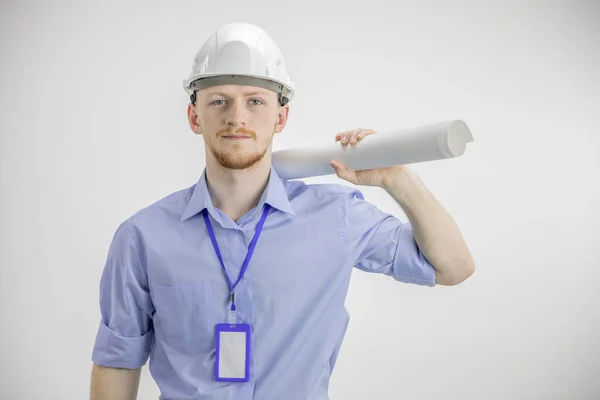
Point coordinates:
pixel 230 161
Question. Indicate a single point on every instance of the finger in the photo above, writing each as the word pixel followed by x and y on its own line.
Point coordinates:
pixel 351 136
pixel 365 132
pixel 343 172
pixel 340 169
pixel 338 166
pixel 359 134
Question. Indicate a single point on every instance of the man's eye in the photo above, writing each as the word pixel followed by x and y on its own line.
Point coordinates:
pixel 257 101
pixel 217 101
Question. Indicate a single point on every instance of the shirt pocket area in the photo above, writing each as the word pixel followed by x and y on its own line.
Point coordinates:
pixel 185 315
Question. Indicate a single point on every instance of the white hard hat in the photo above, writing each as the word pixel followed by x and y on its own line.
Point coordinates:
pixel 244 54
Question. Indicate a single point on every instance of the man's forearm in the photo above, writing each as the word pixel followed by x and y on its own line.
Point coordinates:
pixel 114 383
pixel 435 231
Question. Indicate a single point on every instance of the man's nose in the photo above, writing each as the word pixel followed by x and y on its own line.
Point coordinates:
pixel 236 115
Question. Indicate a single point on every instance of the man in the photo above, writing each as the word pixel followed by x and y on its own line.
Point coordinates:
pixel 235 287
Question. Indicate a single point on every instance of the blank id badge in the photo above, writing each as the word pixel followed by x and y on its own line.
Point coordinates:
pixel 232 362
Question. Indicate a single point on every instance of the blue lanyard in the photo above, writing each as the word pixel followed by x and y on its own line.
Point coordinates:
pixel 248 256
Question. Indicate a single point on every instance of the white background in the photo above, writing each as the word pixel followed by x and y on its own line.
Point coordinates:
pixel 93 128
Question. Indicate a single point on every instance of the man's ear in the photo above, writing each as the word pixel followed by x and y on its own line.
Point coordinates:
pixel 194 120
pixel 282 117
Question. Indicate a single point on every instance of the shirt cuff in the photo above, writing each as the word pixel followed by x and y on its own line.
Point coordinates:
pixel 410 264
pixel 116 351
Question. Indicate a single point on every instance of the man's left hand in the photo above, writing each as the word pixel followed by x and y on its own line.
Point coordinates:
pixel 369 177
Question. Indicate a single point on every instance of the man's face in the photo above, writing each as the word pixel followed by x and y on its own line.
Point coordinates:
pixel 237 123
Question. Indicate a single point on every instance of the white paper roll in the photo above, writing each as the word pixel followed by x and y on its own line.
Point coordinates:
pixel 398 147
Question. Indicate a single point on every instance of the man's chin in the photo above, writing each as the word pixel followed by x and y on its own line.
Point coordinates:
pixel 238 162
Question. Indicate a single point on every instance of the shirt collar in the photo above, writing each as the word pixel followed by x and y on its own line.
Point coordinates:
pixel 275 195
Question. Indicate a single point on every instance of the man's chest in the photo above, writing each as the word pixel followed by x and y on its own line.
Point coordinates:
pixel 286 254
pixel 294 270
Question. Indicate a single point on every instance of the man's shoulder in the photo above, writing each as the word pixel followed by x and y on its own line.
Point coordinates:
pixel 324 191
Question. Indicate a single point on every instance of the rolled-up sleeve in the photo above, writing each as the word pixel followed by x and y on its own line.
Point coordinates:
pixel 381 243
pixel 125 332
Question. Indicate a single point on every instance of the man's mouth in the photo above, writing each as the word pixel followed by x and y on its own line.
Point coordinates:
pixel 235 137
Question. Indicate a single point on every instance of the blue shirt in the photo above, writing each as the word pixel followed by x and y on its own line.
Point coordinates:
pixel 163 290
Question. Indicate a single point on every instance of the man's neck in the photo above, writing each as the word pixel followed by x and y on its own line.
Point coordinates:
pixel 235 192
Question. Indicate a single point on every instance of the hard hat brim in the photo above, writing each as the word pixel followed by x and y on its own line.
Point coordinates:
pixel 205 81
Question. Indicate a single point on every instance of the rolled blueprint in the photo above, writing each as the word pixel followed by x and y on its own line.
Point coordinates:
pixel 397 147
